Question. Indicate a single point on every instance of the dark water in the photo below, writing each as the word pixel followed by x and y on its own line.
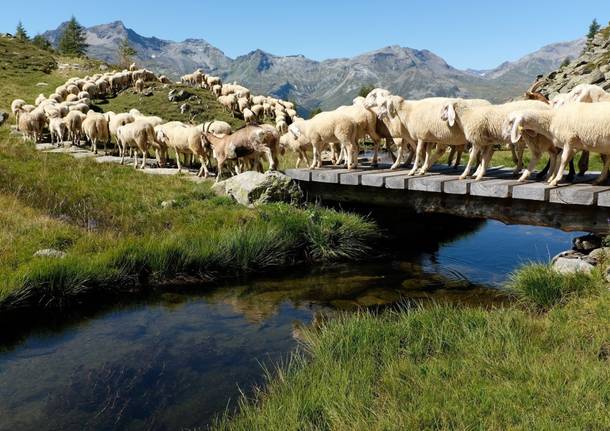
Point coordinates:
pixel 174 361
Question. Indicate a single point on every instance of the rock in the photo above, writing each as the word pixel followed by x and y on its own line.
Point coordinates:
pixel 3 117
pixel 178 95
pixel 168 204
pixel 147 92
pixel 103 67
pixel 41 84
pixel 586 243
pixel 566 265
pixel 600 253
pixel 253 188
pixel 184 108
pixel 50 252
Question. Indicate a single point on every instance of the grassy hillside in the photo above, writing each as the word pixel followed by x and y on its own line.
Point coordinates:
pixel 204 106
pixel 109 220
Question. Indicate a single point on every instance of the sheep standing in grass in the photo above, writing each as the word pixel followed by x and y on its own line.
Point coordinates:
pixel 217 127
pixel 16 109
pixel 31 124
pixel 187 140
pixel 95 127
pixel 138 135
pixel 74 122
pixel 247 143
pixel 139 85
pixel 573 127
pixel 116 121
pixel 58 130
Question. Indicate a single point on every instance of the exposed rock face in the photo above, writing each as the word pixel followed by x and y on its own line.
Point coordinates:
pixel 592 66
pixel 253 188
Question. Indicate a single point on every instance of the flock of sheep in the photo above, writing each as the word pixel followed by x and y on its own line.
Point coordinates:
pixel 66 114
pixel 425 129
pixel 420 130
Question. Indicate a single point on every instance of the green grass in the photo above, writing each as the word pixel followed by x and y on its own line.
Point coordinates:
pixel 204 108
pixel 110 222
pixel 444 367
pixel 542 287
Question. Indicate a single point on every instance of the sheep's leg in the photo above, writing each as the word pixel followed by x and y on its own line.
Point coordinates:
pixel 566 155
pixel 134 154
pixel 418 153
pixel 219 161
pixel 144 154
pixel 315 156
pixel 376 144
pixel 536 153
pixel 583 163
pixel 458 157
pixel 451 155
pixel 471 158
pixel 489 151
pixel 438 153
pixel 604 175
pixel 513 153
pixel 399 142
pixel 203 169
pixel 178 161
pixel 519 148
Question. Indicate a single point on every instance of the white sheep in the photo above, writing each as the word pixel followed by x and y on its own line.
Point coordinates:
pixel 16 108
pixel 217 127
pixel 116 121
pixel 58 130
pixel 324 129
pixel 95 127
pixel 185 140
pixel 249 116
pixel 139 85
pixel 138 135
pixel 74 122
pixel 483 126
pixel 573 127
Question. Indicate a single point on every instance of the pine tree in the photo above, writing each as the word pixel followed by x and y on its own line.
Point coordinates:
pixel 72 40
pixel 41 42
pixel 126 52
pixel 20 33
pixel 566 61
pixel 365 90
pixel 593 29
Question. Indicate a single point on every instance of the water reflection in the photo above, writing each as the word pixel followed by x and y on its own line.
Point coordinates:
pixel 175 360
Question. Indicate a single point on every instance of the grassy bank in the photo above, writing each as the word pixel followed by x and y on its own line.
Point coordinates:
pixel 118 237
pixel 539 364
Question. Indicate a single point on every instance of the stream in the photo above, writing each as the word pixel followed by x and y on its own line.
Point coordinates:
pixel 176 360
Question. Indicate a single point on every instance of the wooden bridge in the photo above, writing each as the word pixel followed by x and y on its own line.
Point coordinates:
pixel 569 206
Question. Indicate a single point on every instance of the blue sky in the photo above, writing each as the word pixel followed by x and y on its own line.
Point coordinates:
pixel 476 34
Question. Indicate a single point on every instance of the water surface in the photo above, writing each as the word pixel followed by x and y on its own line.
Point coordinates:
pixel 174 361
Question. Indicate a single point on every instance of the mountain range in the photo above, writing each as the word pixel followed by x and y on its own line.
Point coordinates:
pixel 326 84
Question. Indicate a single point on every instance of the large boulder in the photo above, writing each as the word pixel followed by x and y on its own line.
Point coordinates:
pixel 178 95
pixel 253 188
pixel 571 261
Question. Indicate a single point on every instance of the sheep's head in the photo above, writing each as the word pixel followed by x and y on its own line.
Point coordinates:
pixel 448 113
pixel 513 127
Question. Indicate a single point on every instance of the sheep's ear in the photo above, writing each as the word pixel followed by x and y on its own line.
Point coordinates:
pixel 450 114
pixel 515 133
pixel 295 131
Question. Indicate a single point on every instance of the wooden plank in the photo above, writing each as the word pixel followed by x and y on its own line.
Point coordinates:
pixel 493 188
pixel 429 183
pixel 299 174
pixel 330 176
pixel 576 194
pixel 353 178
pixel 603 199
pixel 380 179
